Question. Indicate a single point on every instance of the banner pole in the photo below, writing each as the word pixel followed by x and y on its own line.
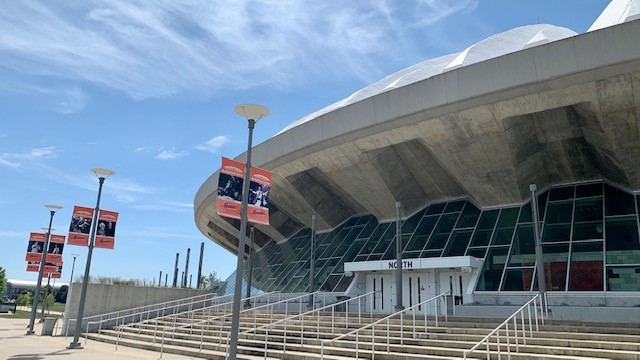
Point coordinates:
pixel 75 344
pixel 36 297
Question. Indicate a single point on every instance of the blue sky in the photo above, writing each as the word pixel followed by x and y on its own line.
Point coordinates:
pixel 147 88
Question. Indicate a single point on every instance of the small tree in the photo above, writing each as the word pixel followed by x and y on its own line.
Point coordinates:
pixel 50 300
pixel 3 281
pixel 61 295
pixel 210 279
pixel 24 299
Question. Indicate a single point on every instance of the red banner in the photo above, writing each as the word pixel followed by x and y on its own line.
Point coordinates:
pixel 56 246
pixel 230 192
pixel 35 246
pixel 259 188
pixel 33 266
pixel 53 270
pixel 80 226
pixel 230 188
pixel 105 236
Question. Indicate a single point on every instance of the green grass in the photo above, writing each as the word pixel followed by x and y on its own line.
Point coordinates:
pixel 18 315
pixel 59 307
pixel 24 315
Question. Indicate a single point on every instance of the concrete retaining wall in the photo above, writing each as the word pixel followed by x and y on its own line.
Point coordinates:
pixel 107 298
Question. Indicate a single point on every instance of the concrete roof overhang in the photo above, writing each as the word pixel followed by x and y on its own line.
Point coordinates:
pixel 560 112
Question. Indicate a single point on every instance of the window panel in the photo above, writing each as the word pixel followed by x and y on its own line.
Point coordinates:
pixel 525 213
pixel 454 206
pixel 589 190
pixel 623 278
pixel 542 205
pixel 623 246
pixel 477 253
pixel 435 209
pixel 409 225
pixel 523 249
pixel 555 258
pixel 482 237
pixel 561 193
pixel 618 202
pixel 588 219
pixel 586 267
pixel 458 243
pixel 469 216
pixel 492 269
pixel 558 222
pixel 506 224
pixel 517 279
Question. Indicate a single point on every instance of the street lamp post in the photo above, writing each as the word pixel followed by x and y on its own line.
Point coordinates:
pixel 252 113
pixel 102 174
pixel 542 284
pixel 399 305
pixel 73 266
pixel 312 263
pixel 34 308
pixel 247 302
pixel 46 288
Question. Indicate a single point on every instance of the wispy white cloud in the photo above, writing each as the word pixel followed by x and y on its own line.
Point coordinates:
pixel 71 101
pixel 15 160
pixel 214 144
pixel 171 155
pixel 439 10
pixel 160 48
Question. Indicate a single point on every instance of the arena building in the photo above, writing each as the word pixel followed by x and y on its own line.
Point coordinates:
pixel 457 140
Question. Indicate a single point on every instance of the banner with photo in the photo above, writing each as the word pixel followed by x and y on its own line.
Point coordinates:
pixel 105 235
pixel 80 226
pixel 230 188
pixel 33 266
pixel 35 246
pixel 52 270
pixel 259 188
pixel 56 246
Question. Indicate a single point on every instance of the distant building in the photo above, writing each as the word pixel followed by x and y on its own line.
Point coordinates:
pixel 16 287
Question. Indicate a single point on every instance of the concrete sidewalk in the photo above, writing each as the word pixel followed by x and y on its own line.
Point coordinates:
pixel 15 345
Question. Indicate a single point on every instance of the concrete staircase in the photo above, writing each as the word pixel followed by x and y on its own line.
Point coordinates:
pixel 298 339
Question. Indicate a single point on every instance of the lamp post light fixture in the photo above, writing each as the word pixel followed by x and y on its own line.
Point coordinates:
pixel 252 113
pixel 73 266
pixel 36 298
pixel 102 174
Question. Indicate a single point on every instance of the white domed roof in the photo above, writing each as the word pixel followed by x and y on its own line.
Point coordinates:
pixel 494 46
pixel 617 12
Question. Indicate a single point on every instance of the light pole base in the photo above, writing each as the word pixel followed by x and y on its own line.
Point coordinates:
pixel 74 345
pixel 398 308
pixel 247 305
pixel 30 332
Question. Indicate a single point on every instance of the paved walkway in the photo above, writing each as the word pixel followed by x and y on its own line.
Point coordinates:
pixel 15 345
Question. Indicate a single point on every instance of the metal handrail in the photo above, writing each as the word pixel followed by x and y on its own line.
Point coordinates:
pixel 302 315
pixel 203 322
pixel 175 316
pixel 496 332
pixel 388 318
pixel 332 306
pixel 160 306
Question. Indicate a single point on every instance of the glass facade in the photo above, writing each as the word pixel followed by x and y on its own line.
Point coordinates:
pixel 589 234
